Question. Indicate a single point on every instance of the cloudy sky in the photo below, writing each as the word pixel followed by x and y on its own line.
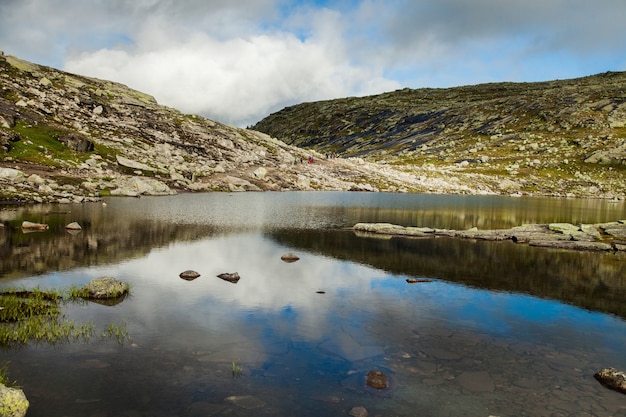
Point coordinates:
pixel 236 61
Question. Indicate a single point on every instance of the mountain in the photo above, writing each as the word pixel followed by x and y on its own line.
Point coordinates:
pixel 564 137
pixel 69 138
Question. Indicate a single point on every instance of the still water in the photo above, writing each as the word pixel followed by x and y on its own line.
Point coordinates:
pixel 499 329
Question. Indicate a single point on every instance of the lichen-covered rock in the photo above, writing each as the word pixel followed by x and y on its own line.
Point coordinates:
pixel 105 288
pixel 612 378
pixel 13 402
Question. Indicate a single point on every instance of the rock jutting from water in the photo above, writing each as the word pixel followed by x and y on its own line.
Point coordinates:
pixel 290 257
pixel 105 288
pixel 189 275
pixel 609 236
pixel 230 277
pixel 612 379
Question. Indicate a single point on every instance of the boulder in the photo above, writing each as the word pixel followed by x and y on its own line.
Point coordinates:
pixel 376 380
pixel 13 402
pixel 612 379
pixel 73 226
pixel 34 226
pixel 105 288
pixel 230 277
pixel 136 186
pixel 289 257
pixel 189 275
pixel 10 174
pixel 77 142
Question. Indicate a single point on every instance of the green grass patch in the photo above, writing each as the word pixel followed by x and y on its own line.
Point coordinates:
pixel 39 144
pixel 36 316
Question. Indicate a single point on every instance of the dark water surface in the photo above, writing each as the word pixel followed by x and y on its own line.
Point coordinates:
pixel 500 330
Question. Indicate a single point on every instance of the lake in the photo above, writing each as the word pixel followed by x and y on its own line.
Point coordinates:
pixel 494 329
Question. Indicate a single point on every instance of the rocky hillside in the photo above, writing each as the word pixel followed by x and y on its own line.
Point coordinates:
pixel 565 137
pixel 69 138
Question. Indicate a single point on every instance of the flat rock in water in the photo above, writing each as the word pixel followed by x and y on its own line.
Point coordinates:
pixel 612 378
pixel 289 257
pixel 105 288
pixel 189 275
pixel 230 277
pixel 73 226
pixel 34 226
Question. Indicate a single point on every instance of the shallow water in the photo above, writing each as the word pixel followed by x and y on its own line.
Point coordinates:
pixel 500 329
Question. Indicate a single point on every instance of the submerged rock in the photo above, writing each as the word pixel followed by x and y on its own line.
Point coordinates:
pixel 230 277
pixel 612 379
pixel 377 380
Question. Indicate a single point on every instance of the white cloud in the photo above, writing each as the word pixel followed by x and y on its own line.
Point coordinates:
pixel 237 80
pixel 238 60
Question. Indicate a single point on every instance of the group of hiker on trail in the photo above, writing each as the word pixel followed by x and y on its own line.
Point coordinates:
pixel 296 159
pixel 329 155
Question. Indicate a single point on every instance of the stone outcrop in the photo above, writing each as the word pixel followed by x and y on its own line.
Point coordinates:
pixel 597 237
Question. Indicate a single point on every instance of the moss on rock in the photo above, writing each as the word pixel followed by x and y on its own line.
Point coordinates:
pixel 13 402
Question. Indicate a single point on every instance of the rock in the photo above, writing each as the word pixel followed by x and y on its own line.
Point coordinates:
pixel 105 288
pixel 13 402
pixel 129 163
pixel 189 275
pixel 77 142
pixel 249 402
pixel 230 277
pixel 260 173
pixel 73 226
pixel 135 186
pixel 416 280
pixel 565 228
pixel 34 226
pixel 289 257
pixel 377 380
pixel 612 379
pixel 358 412
pixel 10 174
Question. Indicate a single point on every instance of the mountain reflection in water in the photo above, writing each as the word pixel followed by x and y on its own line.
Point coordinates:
pixel 502 329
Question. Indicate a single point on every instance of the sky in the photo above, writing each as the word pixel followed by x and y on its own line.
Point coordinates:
pixel 237 61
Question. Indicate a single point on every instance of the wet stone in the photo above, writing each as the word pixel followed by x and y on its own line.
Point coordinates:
pixel 249 402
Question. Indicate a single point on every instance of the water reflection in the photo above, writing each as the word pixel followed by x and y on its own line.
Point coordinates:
pixel 494 333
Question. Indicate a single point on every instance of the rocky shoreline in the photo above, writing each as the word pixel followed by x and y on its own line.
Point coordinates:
pixel 606 237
